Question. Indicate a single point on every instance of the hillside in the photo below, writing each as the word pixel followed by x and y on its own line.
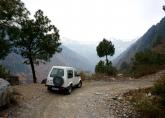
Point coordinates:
pixel 14 63
pixel 148 41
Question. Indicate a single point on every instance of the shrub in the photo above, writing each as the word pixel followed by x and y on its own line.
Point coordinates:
pixel 147 62
pixel 100 67
pixel 150 106
pixel 159 90
pixel 142 70
pixel 105 68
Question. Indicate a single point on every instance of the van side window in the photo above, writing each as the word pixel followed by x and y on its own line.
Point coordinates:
pixel 76 74
pixel 70 74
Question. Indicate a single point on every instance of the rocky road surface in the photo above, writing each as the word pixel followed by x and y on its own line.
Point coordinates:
pixel 96 99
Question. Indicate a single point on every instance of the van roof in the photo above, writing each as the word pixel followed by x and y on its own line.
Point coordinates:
pixel 63 67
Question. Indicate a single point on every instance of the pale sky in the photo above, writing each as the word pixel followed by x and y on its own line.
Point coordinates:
pixel 89 21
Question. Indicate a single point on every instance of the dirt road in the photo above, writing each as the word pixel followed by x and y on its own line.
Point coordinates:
pixel 93 100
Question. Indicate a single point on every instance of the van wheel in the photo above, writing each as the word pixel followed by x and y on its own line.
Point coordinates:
pixel 69 90
pixel 49 88
pixel 79 84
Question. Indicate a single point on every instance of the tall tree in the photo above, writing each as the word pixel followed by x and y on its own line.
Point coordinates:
pixel 105 48
pixel 11 14
pixel 38 40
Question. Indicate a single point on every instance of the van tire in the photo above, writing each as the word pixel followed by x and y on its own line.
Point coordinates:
pixel 58 81
pixel 79 84
pixel 49 88
pixel 69 90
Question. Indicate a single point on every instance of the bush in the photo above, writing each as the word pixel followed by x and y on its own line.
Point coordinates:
pixel 105 68
pixel 159 90
pixel 159 87
pixel 150 106
pixel 100 67
pixel 142 70
pixel 147 62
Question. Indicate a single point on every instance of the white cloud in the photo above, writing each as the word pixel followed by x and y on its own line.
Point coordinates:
pixel 91 20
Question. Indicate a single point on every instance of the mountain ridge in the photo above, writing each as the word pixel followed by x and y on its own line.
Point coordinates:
pixel 145 42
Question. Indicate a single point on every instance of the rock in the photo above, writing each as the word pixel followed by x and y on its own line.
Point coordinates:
pixel 149 94
pixel 4 92
pixel 120 98
pixel 114 98
pixel 130 78
pixel 4 115
pixel 113 78
pixel 97 93
pixel 43 81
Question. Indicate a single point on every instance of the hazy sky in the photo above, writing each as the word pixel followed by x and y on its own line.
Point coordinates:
pixel 89 21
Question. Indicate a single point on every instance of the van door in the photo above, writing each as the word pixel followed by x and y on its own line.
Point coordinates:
pixel 70 76
pixel 76 76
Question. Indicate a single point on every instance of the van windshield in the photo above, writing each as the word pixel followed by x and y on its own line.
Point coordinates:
pixel 57 72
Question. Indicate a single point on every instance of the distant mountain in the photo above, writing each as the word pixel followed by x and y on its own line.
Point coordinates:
pixel 120 46
pixel 66 58
pixel 89 50
pixel 14 63
pixel 147 41
pixel 86 50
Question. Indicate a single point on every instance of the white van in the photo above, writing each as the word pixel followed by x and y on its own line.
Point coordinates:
pixel 63 78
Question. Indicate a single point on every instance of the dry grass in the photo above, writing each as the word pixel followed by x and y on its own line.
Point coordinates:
pixel 149 102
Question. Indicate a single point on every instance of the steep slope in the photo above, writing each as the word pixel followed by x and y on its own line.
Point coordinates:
pixel 14 63
pixel 147 41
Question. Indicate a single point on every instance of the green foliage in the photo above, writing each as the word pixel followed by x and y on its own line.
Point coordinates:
pixel 149 108
pixel 105 48
pixel 149 58
pixel 3 72
pixel 125 68
pixel 159 90
pixel 37 41
pixel 105 68
pixel 100 67
pixel 4 47
pixel 164 7
pixel 11 13
pixel 158 40
pixel 147 62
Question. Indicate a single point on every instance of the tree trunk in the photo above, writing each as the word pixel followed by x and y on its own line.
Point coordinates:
pixel 33 70
pixel 106 60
